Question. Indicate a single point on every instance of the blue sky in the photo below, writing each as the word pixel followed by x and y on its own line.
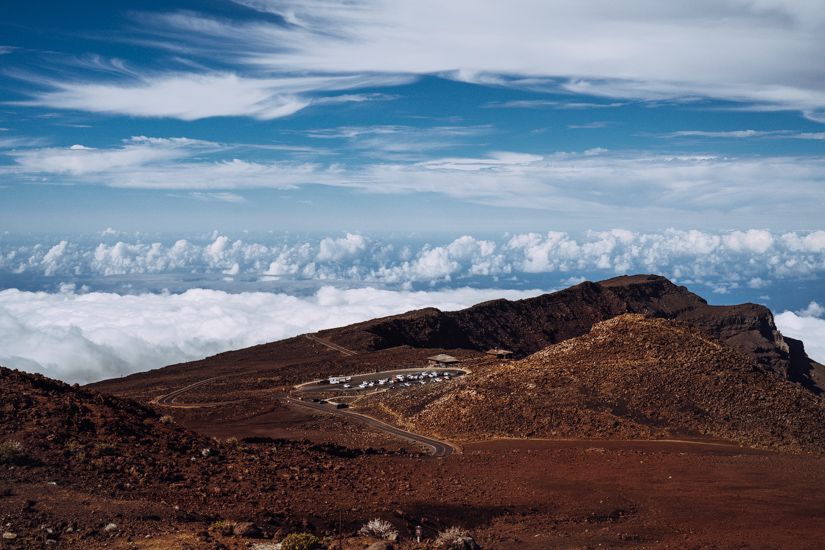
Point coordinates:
pixel 326 115
pixel 431 145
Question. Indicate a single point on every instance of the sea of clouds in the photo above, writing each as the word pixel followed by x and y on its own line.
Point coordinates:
pixel 93 336
pixel 90 307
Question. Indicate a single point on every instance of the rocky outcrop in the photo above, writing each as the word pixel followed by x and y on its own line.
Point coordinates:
pixel 631 377
pixel 526 326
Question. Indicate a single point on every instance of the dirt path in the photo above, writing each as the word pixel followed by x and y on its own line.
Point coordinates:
pixel 330 345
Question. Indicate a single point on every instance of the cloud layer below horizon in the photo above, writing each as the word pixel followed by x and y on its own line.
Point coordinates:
pixel 76 332
pixel 89 337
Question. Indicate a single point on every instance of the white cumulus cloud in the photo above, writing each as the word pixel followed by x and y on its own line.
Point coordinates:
pixel 346 248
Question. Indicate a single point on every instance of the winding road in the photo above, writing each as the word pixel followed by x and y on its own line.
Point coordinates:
pixel 436 447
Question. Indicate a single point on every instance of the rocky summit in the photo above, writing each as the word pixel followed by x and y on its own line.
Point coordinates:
pixel 630 377
pixel 526 326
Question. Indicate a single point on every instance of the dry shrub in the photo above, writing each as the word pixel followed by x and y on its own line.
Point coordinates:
pixel 379 528
pixel 452 538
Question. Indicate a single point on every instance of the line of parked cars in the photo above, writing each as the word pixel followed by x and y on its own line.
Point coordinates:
pixel 402 380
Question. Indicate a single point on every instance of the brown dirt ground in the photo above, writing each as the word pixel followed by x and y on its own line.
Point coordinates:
pixel 511 494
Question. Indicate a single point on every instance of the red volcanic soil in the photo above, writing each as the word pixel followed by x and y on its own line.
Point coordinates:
pixel 84 469
pixel 87 462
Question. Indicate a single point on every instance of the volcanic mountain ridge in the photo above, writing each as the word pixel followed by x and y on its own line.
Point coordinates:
pixel 630 377
pixel 523 327
pixel 529 325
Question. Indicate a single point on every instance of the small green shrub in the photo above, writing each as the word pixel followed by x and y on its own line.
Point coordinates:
pixel 222 524
pixel 300 541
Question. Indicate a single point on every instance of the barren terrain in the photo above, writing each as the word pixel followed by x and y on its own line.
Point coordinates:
pixel 617 426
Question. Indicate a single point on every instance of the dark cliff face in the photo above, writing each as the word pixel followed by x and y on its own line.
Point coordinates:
pixel 527 326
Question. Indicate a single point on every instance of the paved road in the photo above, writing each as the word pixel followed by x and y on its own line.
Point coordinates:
pixel 438 448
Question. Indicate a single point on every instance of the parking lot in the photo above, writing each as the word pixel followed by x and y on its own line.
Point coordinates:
pixel 387 380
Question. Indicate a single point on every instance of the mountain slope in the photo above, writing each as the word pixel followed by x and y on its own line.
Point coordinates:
pixel 630 377
pixel 523 326
pixel 526 326
pixel 81 468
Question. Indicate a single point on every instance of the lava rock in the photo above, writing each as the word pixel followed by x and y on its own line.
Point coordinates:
pixel 247 530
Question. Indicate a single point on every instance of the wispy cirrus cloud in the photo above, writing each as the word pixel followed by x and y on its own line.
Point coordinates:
pixel 545 104
pixel 763 56
pixel 224 197
pixel 157 163
pixel 402 143
pixel 661 189
pixel 591 125
pixel 749 134
pixel 192 96
pixel 81 160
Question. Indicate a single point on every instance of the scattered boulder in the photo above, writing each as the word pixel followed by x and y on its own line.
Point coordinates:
pixel 467 543
pixel 381 545
pixel 247 530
